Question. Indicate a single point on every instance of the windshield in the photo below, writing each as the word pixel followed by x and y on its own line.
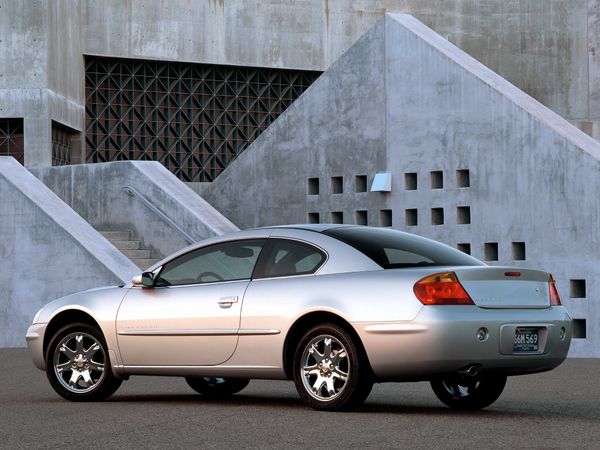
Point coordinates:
pixel 393 249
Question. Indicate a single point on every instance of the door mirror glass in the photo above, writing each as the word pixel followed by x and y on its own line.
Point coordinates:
pixel 148 279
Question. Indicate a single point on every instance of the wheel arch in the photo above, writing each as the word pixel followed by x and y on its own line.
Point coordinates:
pixel 64 318
pixel 306 322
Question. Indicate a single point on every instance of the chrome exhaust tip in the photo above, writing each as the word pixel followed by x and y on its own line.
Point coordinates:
pixel 470 371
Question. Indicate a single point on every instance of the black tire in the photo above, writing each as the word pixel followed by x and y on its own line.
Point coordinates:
pixel 217 387
pixel 67 360
pixel 334 393
pixel 468 393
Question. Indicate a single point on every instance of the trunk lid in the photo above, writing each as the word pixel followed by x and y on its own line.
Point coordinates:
pixel 506 287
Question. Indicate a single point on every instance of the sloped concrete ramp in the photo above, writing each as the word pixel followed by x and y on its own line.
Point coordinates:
pixel 405 101
pixel 47 251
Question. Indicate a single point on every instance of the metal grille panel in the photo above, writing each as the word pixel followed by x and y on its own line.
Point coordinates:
pixel 61 146
pixel 193 118
pixel 11 139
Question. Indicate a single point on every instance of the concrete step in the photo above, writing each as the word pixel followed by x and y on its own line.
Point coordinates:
pixel 144 263
pixel 116 235
pixel 137 254
pixel 127 245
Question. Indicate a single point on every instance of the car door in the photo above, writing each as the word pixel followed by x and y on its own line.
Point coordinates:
pixel 192 314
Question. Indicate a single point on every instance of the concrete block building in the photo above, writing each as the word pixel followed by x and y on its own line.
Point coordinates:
pixel 471 123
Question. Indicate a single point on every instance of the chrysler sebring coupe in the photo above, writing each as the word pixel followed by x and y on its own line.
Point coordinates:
pixel 334 308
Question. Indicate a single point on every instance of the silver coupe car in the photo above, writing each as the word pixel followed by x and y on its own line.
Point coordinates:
pixel 335 308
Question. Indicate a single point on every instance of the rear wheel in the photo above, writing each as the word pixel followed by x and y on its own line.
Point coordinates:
pixel 468 393
pixel 217 386
pixel 330 371
pixel 78 365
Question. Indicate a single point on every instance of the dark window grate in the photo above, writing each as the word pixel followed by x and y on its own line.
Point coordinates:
pixel 193 118
pixel 11 139
pixel 61 146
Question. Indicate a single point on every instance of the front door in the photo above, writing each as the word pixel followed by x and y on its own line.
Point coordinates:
pixel 191 317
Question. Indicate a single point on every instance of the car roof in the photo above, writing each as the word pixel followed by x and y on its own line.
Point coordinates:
pixel 318 227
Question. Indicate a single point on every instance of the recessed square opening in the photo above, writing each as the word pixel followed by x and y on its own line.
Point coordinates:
pixel 518 251
pixel 490 251
pixel 437 216
pixel 313 186
pixel 313 217
pixel 463 179
pixel 577 289
pixel 464 247
pixel 360 183
pixel 385 217
pixel 361 217
pixel 337 217
pixel 579 329
pixel 463 215
pixel 337 185
pixel 410 181
pixel 437 179
pixel 410 217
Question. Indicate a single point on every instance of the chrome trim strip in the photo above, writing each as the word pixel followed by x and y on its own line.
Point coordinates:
pixel 257 331
pixel 192 332
pixel 199 332
pixel 395 328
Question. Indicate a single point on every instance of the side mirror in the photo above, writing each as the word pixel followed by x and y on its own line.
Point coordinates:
pixel 146 279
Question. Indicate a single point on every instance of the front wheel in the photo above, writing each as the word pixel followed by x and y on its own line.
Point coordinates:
pixel 217 386
pixel 468 393
pixel 78 365
pixel 330 371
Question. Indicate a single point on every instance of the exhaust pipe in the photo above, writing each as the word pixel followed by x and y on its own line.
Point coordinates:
pixel 470 371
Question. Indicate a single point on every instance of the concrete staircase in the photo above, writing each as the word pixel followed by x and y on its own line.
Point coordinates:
pixel 132 248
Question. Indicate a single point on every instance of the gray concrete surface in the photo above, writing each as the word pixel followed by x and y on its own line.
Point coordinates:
pixel 557 409
pixel 95 192
pixel 47 250
pixel 405 100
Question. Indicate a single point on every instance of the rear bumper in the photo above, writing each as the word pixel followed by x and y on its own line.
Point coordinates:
pixel 35 344
pixel 443 339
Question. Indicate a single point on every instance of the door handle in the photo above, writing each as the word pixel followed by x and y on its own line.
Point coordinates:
pixel 226 302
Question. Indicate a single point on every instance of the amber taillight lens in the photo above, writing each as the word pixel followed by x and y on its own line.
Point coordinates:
pixel 554 297
pixel 441 289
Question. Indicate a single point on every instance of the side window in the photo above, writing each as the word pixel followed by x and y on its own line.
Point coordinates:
pixel 287 257
pixel 221 262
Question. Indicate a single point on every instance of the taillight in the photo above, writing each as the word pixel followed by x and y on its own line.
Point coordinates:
pixel 554 297
pixel 441 289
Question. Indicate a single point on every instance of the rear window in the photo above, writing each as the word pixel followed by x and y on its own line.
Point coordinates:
pixel 393 249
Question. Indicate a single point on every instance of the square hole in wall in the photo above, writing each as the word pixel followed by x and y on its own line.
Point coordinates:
pixel 410 181
pixel 579 329
pixel 313 217
pixel 437 179
pixel 463 179
pixel 464 247
pixel 577 289
pixel 313 186
pixel 490 251
pixel 410 217
pixel 337 217
pixel 337 185
pixel 361 217
pixel 518 251
pixel 437 216
pixel 463 215
pixel 385 217
pixel 360 183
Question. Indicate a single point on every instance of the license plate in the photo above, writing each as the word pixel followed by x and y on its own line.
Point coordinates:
pixel 527 340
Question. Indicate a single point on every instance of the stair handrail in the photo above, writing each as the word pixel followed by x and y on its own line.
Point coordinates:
pixel 133 192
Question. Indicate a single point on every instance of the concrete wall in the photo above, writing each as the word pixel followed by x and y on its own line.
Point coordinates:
pixel 48 252
pixel 95 191
pixel 430 107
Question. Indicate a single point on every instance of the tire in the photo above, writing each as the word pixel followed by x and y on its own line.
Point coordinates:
pixel 330 371
pixel 78 365
pixel 468 393
pixel 216 387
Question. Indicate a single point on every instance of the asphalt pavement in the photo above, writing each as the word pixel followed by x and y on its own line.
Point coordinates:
pixel 557 409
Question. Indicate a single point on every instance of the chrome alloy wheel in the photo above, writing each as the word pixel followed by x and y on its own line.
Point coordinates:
pixel 325 368
pixel 460 388
pixel 79 362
